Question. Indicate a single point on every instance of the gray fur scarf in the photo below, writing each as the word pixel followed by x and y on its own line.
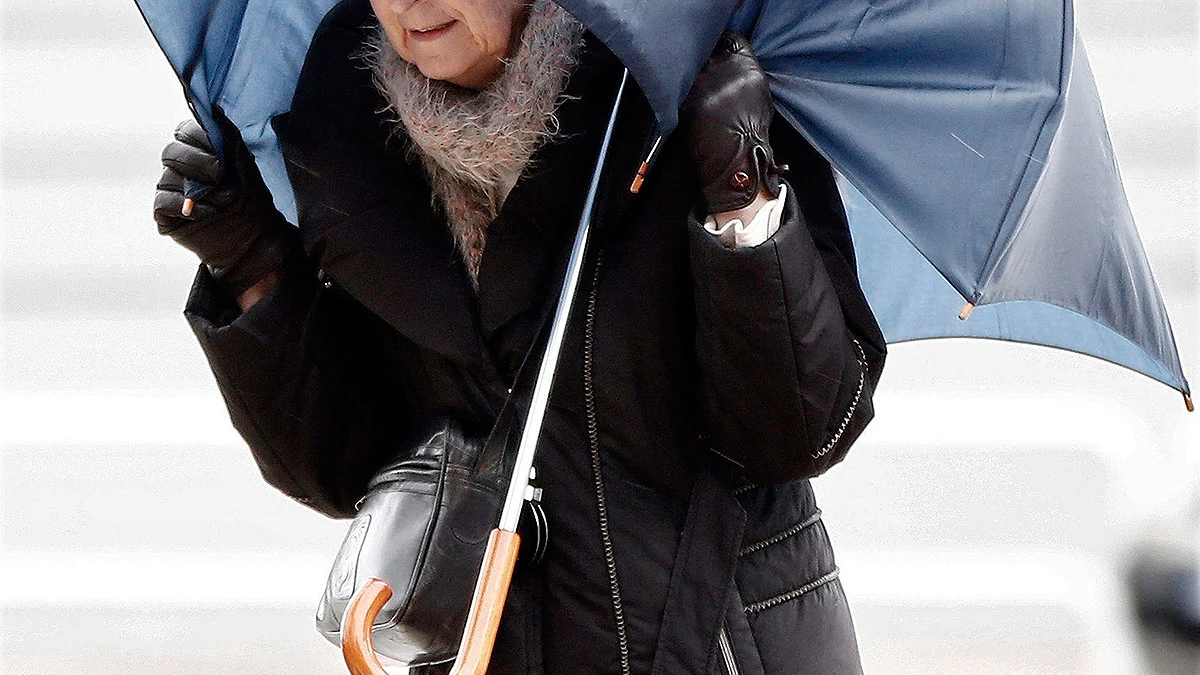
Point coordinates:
pixel 475 144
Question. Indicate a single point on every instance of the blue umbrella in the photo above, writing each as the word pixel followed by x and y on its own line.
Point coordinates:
pixel 983 195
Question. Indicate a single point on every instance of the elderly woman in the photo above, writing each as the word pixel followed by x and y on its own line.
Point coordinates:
pixel 722 352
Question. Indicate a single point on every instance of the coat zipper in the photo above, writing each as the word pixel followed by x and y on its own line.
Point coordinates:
pixel 593 434
pixel 723 641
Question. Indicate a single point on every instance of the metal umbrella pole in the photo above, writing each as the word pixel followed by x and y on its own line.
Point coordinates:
pixel 495 574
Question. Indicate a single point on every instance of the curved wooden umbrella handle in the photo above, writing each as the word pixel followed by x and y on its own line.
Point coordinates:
pixel 357 646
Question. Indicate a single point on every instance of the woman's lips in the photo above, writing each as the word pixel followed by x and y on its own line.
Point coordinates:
pixel 431 33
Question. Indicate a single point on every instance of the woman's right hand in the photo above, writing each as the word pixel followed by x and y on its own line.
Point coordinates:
pixel 234 228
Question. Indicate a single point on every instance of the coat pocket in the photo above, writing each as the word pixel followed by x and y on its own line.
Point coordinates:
pixel 796 611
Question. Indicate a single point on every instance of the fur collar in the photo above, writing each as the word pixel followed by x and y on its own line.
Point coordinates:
pixel 474 145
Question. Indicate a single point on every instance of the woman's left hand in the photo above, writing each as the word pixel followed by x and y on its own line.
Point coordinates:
pixel 726 118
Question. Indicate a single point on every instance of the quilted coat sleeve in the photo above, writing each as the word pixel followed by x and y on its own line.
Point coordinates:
pixel 789 351
pixel 311 402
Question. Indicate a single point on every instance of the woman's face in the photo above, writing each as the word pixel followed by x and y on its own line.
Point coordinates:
pixel 459 41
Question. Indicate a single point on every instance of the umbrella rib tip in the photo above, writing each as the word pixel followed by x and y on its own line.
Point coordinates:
pixel 965 312
pixel 1187 401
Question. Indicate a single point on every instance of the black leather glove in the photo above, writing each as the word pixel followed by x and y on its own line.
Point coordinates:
pixel 234 228
pixel 726 117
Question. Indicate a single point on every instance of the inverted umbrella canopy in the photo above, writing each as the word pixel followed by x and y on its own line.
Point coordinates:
pixel 975 131
pixel 244 57
pixel 976 162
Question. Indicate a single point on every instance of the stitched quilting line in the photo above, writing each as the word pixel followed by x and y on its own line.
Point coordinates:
pixel 841 430
pixel 793 530
pixel 862 380
pixel 744 489
pixel 792 594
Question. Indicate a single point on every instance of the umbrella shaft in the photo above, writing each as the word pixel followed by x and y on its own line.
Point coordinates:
pixel 511 514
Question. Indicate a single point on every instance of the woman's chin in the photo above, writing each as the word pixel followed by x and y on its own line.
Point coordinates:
pixel 468 75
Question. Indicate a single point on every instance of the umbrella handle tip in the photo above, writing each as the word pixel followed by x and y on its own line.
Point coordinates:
pixel 639 178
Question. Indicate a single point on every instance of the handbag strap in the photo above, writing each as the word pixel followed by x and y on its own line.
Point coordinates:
pixel 495 456
pixel 494 452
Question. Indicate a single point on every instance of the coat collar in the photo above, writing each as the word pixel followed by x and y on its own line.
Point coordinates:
pixel 529 243
pixel 366 212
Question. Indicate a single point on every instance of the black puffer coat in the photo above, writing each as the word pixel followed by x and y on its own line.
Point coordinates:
pixel 697 354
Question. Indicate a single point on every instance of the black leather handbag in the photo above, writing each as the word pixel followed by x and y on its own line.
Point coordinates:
pixel 423 527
